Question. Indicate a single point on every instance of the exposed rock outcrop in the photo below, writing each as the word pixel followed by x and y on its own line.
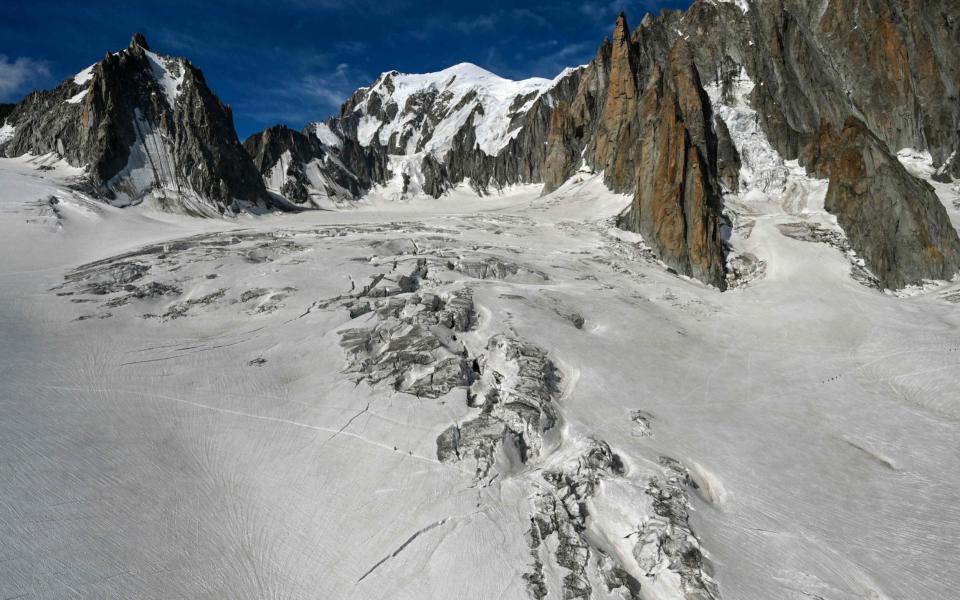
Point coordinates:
pixel 893 220
pixel 142 124
pixel 728 159
pixel 311 167
pixel 893 64
pixel 677 205
pixel 619 129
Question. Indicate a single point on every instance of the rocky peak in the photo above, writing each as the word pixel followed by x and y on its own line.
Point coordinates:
pixel 621 31
pixel 618 128
pixel 144 126
pixel 677 205
pixel 642 117
pixel 139 41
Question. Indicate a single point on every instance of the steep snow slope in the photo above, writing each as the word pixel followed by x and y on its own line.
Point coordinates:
pixel 294 407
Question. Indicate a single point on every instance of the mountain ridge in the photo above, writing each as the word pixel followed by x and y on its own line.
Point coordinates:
pixel 146 126
pixel 143 125
pixel 804 67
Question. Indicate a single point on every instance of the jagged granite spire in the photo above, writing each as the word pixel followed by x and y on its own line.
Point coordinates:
pixel 139 41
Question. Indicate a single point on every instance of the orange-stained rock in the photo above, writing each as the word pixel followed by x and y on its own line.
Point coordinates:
pixel 650 129
pixel 894 221
pixel 676 206
pixel 618 128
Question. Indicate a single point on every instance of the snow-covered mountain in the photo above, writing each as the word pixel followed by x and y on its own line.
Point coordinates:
pixel 410 114
pixel 639 113
pixel 420 134
pixel 143 126
pixel 530 389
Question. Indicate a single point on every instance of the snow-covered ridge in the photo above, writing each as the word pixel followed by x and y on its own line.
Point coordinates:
pixel 397 104
pixel 84 76
pixel 168 72
pixel 326 135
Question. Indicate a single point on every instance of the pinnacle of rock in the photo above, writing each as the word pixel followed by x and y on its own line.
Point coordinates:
pixel 139 41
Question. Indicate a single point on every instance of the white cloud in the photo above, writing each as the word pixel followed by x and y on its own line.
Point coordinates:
pixel 330 89
pixel 310 97
pixel 17 74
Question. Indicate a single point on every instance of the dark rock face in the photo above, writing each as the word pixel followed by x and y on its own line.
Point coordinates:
pixel 897 73
pixel 892 66
pixel 142 124
pixel 306 169
pixel 891 63
pixel 728 159
pixel 894 220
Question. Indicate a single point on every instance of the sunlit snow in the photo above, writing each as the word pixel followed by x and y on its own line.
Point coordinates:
pixel 176 418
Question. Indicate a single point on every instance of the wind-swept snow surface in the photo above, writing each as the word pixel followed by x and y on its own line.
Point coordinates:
pixel 497 397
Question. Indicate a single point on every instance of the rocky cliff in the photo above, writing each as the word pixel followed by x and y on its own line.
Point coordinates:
pixel 677 205
pixel 882 73
pixel 639 114
pixel 143 125
pixel 309 168
pixel 894 220
pixel 650 129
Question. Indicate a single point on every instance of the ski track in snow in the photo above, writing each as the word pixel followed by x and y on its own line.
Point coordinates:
pixel 176 418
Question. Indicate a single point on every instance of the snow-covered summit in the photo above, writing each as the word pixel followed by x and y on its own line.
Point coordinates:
pixel 415 113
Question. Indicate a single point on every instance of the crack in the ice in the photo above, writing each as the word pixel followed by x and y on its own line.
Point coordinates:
pixel 202 349
pixel 402 546
pixel 347 424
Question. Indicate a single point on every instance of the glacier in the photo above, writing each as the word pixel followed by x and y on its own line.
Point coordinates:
pixel 264 406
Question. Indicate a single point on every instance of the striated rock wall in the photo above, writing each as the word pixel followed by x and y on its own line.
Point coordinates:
pixel 618 129
pixel 677 205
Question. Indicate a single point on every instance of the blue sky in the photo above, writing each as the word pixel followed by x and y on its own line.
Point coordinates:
pixel 293 61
